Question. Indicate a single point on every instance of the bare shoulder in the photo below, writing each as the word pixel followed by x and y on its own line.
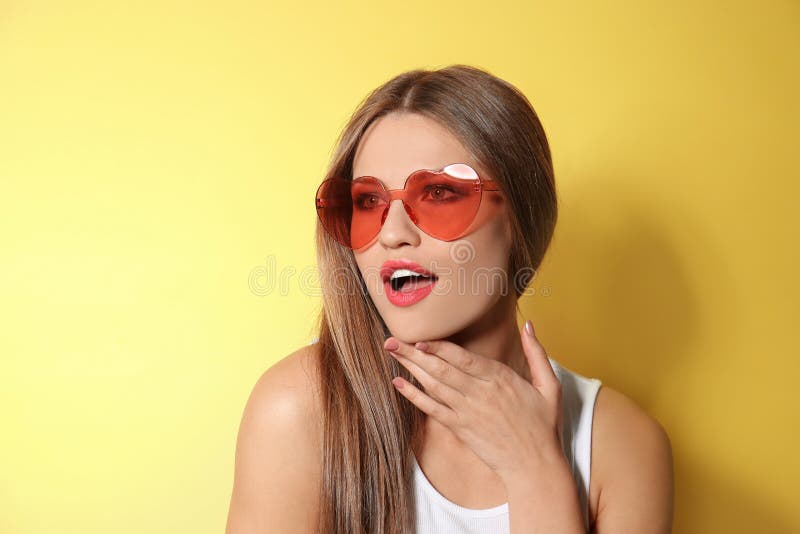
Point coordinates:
pixel 294 380
pixel 632 467
pixel 289 390
pixel 277 466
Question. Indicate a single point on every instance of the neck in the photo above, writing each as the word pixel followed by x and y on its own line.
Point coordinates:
pixel 497 336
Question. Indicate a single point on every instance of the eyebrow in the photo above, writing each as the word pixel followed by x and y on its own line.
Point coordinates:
pixel 427 168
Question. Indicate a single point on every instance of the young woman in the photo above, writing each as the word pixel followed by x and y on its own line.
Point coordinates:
pixel 423 407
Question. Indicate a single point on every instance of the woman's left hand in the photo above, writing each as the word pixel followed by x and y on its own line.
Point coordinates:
pixel 513 425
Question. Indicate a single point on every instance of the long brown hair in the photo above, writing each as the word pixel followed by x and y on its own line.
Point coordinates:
pixel 369 433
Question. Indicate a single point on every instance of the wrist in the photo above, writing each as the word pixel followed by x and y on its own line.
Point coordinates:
pixel 552 462
pixel 544 499
pixel 539 469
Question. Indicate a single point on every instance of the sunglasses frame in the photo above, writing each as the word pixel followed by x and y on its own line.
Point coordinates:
pixel 400 194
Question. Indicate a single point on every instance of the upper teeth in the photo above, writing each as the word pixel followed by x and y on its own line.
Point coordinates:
pixel 404 272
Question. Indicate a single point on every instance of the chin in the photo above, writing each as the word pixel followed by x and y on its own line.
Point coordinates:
pixel 414 328
pixel 411 333
pixel 440 318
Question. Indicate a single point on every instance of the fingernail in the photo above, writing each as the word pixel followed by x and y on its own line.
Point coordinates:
pixel 529 327
pixel 391 344
pixel 421 345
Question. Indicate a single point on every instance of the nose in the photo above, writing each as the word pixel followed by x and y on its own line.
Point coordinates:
pixel 398 228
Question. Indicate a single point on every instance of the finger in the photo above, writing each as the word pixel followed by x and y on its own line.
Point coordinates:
pixel 433 387
pixel 434 366
pixel 543 377
pixel 438 411
pixel 428 369
pixel 467 362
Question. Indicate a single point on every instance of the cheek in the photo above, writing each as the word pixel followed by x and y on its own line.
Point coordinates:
pixel 480 265
pixel 497 250
pixel 369 270
pixel 497 241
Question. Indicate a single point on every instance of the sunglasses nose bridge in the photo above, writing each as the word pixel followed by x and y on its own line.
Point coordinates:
pixel 398 195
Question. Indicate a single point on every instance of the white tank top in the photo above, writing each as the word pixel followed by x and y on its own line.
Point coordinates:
pixel 438 515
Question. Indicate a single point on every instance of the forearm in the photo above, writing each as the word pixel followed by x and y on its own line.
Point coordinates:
pixel 544 500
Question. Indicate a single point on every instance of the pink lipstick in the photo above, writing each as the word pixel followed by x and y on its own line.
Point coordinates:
pixel 406 282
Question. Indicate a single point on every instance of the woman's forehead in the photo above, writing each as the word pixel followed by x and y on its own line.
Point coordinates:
pixel 398 144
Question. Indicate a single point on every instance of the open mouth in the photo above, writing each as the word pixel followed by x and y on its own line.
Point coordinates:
pixel 409 288
pixel 406 282
pixel 411 282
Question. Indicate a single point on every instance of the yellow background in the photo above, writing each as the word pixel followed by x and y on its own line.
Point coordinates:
pixel 157 165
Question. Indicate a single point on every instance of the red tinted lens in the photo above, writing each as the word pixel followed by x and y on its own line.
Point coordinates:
pixel 370 201
pixel 334 208
pixel 444 203
pixel 351 211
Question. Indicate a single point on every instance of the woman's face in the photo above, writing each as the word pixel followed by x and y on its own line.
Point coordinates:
pixel 470 271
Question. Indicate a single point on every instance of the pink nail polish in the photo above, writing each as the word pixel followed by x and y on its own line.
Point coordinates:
pixel 529 327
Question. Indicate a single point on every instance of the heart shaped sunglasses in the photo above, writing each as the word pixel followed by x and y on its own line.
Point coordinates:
pixel 442 203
